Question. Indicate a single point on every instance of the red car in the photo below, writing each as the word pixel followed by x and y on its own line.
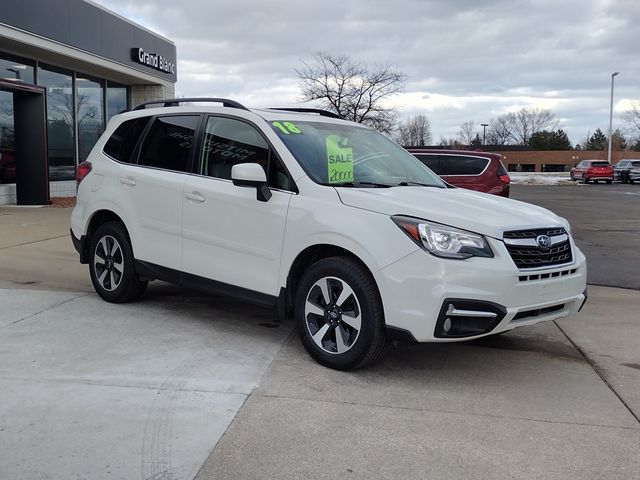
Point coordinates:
pixel 592 170
pixel 479 171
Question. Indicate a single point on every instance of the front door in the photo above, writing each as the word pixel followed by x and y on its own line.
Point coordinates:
pixel 228 234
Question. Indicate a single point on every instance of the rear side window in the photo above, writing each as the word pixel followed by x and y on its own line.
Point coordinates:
pixel 462 165
pixel 168 143
pixel 430 161
pixel 635 164
pixel 599 164
pixel 124 140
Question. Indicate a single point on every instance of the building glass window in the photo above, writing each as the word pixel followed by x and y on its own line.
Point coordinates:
pixel 89 94
pixel 116 99
pixel 60 120
pixel 12 68
pixel 7 141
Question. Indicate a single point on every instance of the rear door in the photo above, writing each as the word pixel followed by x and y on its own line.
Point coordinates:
pixel 153 189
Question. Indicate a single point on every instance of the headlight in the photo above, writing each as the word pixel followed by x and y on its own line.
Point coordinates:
pixel 442 240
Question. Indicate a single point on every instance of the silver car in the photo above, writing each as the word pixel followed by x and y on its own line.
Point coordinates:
pixel 627 171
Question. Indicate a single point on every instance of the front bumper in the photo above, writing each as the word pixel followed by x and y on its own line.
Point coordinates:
pixel 418 288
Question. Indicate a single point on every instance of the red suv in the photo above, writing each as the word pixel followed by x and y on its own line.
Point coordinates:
pixel 480 171
pixel 596 170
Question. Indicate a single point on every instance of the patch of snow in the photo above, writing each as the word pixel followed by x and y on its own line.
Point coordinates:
pixel 535 178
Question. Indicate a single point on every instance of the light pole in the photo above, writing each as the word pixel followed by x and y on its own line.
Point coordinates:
pixel 484 132
pixel 611 117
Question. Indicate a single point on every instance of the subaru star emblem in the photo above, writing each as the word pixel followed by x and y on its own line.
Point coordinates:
pixel 543 241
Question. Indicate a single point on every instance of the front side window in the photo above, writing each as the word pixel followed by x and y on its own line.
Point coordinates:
pixel 340 154
pixel 228 142
pixel 168 143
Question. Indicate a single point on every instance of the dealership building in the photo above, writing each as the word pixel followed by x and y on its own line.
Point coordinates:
pixel 66 67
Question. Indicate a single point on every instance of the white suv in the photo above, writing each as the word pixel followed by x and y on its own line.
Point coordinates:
pixel 321 218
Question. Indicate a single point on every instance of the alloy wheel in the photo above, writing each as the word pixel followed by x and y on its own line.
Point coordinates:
pixel 333 315
pixel 108 263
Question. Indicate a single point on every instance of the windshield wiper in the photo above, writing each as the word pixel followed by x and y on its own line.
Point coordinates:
pixel 363 184
pixel 414 184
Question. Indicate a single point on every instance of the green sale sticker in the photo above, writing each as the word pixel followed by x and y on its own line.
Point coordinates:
pixel 339 159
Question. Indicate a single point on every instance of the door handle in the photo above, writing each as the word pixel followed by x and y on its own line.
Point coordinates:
pixel 195 197
pixel 127 181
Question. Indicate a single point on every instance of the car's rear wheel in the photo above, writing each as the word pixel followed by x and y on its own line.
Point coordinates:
pixel 339 314
pixel 609 182
pixel 111 265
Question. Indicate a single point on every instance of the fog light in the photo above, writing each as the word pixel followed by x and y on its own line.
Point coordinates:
pixel 446 326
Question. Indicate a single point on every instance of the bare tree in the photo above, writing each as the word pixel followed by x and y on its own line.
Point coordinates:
pixel 352 90
pixel 516 128
pixel 466 133
pixel 529 120
pixel 499 132
pixel 414 132
pixel 632 117
pixel 450 142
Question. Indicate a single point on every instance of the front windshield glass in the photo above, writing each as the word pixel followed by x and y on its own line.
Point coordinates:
pixel 340 154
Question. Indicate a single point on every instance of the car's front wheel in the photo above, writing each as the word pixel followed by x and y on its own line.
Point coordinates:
pixel 339 314
pixel 111 265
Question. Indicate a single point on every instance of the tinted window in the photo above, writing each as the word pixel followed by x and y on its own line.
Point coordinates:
pixel 430 161
pixel 635 164
pixel 228 142
pixel 599 164
pixel 168 143
pixel 121 144
pixel 461 165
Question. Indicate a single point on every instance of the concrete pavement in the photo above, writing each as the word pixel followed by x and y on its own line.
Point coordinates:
pixel 180 384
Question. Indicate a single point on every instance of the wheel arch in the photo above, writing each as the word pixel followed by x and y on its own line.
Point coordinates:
pixel 303 260
pixel 99 217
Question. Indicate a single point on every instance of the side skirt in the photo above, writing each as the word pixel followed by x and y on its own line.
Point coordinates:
pixel 153 271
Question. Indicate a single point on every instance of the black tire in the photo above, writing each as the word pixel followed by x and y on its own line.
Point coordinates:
pixel 585 180
pixel 340 276
pixel 609 182
pixel 111 265
pixel 573 179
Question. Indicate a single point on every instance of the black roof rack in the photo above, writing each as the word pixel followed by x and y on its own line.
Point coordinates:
pixel 174 102
pixel 322 113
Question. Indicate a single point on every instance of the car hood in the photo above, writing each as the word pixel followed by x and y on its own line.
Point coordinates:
pixel 477 212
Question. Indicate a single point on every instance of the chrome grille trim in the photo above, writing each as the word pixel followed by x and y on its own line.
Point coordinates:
pixel 527 254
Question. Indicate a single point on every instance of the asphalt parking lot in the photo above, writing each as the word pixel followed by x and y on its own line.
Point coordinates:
pixel 605 221
pixel 180 384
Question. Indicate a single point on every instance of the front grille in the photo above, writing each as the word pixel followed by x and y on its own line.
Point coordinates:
pixel 526 253
pixel 550 232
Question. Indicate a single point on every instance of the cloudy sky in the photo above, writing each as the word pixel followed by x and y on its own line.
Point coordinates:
pixel 465 60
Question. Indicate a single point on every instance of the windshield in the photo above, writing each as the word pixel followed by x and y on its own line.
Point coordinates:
pixel 339 154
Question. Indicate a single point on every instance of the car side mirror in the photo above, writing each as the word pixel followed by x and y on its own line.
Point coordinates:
pixel 251 175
